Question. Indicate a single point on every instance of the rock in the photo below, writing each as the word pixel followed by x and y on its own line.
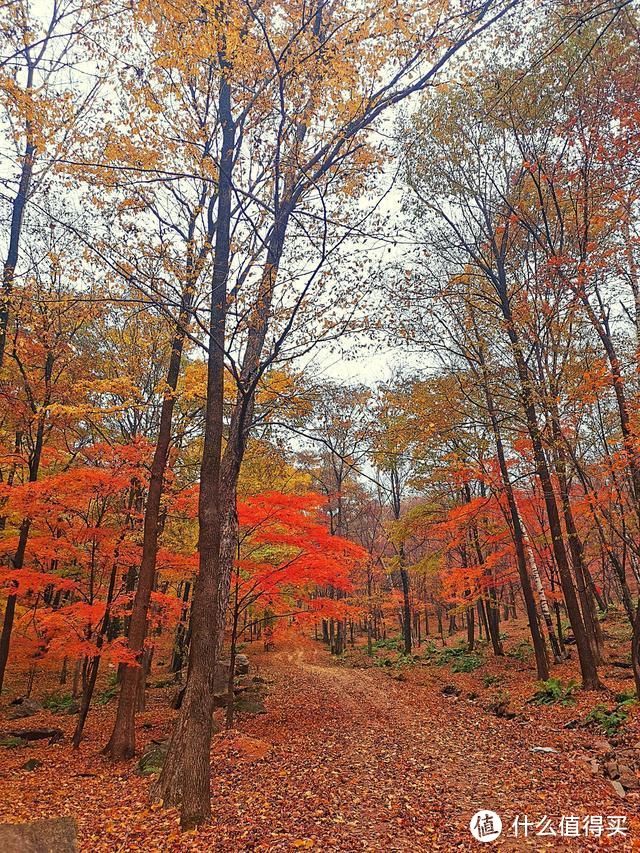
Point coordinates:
pixel 617 787
pixel 153 757
pixel 241 665
pixel 24 708
pixel 545 749
pixel 250 702
pixel 451 690
pixel 611 769
pixel 220 700
pixel 56 835
pixel 629 754
pixel 590 763
pixel 601 745
pixel 258 679
pixel 163 682
pixel 221 678
pixel 31 764
pixel 616 676
pixel 628 778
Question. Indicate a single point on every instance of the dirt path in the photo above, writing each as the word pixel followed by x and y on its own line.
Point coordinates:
pixel 363 762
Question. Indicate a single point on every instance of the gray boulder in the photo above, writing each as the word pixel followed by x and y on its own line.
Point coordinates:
pixel 24 708
pixel 56 835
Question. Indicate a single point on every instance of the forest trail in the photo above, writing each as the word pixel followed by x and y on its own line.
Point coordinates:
pixel 370 763
pixel 344 759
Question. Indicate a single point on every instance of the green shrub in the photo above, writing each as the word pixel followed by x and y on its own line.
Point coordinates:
pixel 398 662
pixel 58 703
pixel 554 692
pixel 460 658
pixel 429 650
pixel 492 680
pixel 392 644
pixel 522 651
pixel 501 705
pixel 467 663
pixel 110 691
pixel 628 698
pixel 451 653
pixel 12 742
pixel 608 721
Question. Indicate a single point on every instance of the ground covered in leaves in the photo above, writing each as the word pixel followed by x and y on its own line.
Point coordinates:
pixel 349 756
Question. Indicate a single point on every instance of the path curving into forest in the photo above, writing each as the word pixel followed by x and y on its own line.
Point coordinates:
pixel 361 761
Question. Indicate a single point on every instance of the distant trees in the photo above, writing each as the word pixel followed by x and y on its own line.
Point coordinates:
pixel 513 222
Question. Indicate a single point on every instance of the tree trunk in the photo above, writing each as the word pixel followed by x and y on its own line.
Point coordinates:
pixel 18 558
pixel 185 778
pixel 15 230
pixel 406 606
pixel 180 645
pixel 471 628
pixel 590 680
pixel 122 743
pixel 232 661
pixel 89 682
pixel 537 639
pixel 542 597
pixel 491 607
pixel 587 601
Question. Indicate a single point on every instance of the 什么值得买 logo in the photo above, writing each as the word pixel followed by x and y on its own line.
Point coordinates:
pixel 485 826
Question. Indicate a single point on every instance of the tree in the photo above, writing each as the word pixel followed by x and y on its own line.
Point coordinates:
pixel 46 353
pixel 305 160
pixel 479 228
pixel 45 109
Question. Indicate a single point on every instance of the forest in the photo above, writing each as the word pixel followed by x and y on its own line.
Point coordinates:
pixel 319 425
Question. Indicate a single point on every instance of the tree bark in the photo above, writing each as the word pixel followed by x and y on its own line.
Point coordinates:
pixel 588 667
pixel 185 778
pixel 542 663
pixel 15 230
pixel 122 743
